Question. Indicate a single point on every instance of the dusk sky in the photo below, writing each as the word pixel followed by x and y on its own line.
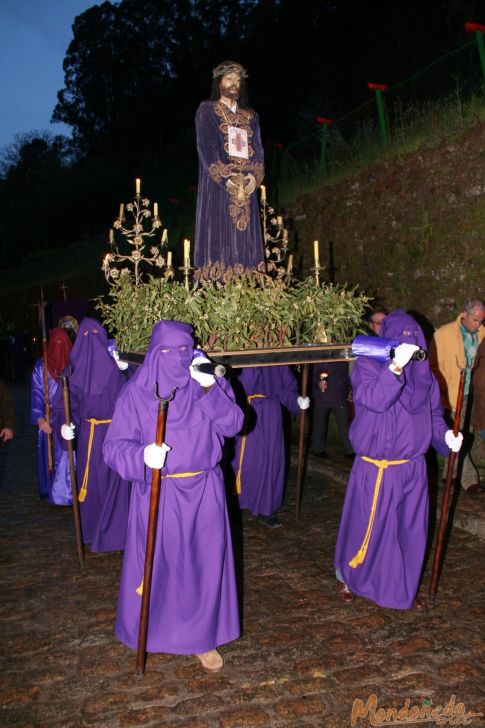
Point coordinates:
pixel 35 38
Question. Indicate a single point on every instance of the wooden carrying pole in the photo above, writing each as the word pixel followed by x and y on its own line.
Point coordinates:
pixel 150 544
pixel 301 440
pixel 447 490
pixel 47 404
pixel 72 473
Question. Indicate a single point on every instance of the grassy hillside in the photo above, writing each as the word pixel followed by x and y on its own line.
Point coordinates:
pixel 409 229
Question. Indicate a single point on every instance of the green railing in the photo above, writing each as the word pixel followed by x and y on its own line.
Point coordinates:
pixel 393 116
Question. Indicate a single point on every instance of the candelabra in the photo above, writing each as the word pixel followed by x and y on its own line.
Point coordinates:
pixel 274 233
pixel 142 230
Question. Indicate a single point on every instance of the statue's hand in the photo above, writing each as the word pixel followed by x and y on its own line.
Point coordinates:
pixel 249 184
pixel 231 185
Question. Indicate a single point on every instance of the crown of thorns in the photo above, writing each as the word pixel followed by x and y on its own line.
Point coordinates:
pixel 229 67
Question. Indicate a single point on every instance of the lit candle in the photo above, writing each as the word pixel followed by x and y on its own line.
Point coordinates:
pixel 316 254
pixel 169 259
pixel 279 220
pixel 186 249
pixel 263 193
pixel 164 236
pixel 155 209
pixel 285 235
pixel 122 210
pixel 111 235
pixel 290 264
pixel 137 185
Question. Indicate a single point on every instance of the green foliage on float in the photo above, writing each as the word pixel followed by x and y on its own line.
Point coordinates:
pixel 251 310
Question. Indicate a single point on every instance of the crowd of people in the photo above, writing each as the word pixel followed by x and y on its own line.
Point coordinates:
pixel 225 439
pixel 225 436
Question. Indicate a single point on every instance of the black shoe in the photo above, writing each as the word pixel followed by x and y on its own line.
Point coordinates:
pixel 474 489
pixel 270 521
pixel 321 455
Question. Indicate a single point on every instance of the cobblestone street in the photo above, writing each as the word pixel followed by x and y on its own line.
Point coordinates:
pixel 303 658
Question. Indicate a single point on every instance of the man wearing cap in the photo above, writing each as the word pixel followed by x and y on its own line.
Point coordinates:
pixel 231 168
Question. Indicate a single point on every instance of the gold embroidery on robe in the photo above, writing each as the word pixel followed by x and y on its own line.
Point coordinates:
pixel 235 173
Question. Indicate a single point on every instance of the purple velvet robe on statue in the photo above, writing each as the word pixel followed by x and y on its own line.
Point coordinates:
pixel 227 226
pixel 262 467
pixel 193 603
pixel 58 488
pixel 396 418
pixel 94 385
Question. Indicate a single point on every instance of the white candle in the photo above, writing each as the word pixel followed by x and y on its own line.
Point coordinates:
pixel 122 210
pixel 137 185
pixel 111 235
pixel 155 209
pixel 290 264
pixel 316 254
pixel 263 193
pixel 285 235
pixel 186 249
pixel 164 236
pixel 279 220
pixel 169 259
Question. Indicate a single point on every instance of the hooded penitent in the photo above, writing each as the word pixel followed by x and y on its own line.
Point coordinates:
pixel 92 365
pixel 383 532
pixel 58 351
pixel 193 604
pixel 94 385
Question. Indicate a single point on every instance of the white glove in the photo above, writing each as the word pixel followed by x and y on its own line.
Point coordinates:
pixel 205 380
pixel 454 443
pixel 154 455
pixel 403 354
pixel 67 431
pixel 122 365
pixel 303 402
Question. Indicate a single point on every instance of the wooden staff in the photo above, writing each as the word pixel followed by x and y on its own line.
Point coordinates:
pixel 47 404
pixel 301 441
pixel 151 535
pixel 72 472
pixel 447 489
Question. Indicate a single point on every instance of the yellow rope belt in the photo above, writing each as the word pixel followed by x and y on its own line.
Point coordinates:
pixel 381 465
pixel 84 488
pixel 139 589
pixel 244 437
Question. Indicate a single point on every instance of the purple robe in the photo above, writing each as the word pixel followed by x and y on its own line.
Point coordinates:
pixel 94 386
pixel 396 418
pixel 227 226
pixel 262 467
pixel 193 604
pixel 57 488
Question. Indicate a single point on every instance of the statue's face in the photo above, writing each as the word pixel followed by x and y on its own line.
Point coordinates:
pixel 230 84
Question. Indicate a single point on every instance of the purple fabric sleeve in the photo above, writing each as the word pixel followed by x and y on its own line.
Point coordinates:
pixel 207 139
pixel 121 452
pixel 375 387
pixel 220 407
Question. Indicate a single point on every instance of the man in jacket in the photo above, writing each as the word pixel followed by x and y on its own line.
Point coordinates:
pixel 454 347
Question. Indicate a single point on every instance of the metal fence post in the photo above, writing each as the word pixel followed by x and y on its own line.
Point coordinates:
pixel 378 88
pixel 479 30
